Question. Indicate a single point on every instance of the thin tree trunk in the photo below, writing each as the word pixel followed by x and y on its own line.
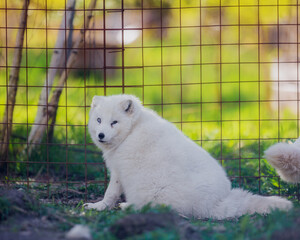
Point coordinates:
pixel 53 103
pixel 57 60
pixel 13 87
pixel 69 44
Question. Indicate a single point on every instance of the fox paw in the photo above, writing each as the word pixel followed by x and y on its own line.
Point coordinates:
pixel 100 206
pixel 124 205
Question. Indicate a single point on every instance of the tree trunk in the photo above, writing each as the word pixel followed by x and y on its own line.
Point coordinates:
pixel 13 87
pixel 58 58
pixel 53 103
pixel 69 44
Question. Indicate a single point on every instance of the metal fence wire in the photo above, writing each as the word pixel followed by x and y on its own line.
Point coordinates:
pixel 225 72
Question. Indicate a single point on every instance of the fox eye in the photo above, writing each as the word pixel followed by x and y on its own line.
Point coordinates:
pixel 113 123
pixel 99 120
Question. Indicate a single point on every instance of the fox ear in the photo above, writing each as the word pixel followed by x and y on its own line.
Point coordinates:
pixel 128 106
pixel 96 100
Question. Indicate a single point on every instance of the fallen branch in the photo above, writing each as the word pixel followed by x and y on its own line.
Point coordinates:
pixel 20 209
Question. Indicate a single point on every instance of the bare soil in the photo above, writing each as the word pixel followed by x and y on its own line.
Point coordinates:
pixel 21 218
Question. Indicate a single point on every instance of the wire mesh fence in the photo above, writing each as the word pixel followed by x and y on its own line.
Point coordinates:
pixel 225 72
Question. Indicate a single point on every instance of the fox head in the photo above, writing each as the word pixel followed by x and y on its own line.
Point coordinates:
pixel 112 119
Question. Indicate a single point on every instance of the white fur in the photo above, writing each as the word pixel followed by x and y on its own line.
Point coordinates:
pixel 151 161
pixel 285 158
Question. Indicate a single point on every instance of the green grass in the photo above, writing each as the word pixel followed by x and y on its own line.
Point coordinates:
pixel 245 227
pixel 64 216
pixel 5 208
pixel 250 227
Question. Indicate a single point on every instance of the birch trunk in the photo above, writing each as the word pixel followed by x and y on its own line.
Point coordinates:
pixel 13 87
pixel 57 60
pixel 68 44
pixel 53 103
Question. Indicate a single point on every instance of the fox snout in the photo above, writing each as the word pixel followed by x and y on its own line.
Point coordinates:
pixel 101 136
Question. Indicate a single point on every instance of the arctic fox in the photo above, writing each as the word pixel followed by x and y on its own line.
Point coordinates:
pixel 151 161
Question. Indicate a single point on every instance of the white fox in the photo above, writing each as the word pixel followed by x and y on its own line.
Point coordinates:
pixel 151 161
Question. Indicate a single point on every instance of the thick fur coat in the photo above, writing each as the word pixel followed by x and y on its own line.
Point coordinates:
pixel 285 158
pixel 151 161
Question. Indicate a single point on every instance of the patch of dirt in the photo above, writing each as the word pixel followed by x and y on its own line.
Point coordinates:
pixel 16 201
pixel 29 228
pixel 21 218
pixel 136 224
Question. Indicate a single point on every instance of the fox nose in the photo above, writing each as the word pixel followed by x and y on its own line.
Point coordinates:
pixel 101 136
